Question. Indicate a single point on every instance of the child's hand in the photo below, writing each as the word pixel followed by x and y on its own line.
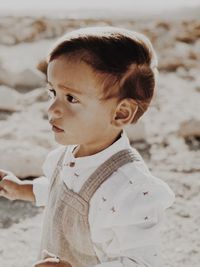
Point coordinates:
pixel 13 188
pixel 52 264
pixel 50 260
pixel 9 185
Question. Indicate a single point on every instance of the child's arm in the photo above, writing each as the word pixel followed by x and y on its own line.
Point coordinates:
pixel 13 188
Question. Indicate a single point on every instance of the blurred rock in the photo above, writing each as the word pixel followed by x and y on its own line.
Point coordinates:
pixel 189 32
pixel 4 114
pixel 185 74
pixel 173 60
pixel 15 30
pixel 171 63
pixel 22 158
pixel 193 142
pixel 34 96
pixel 196 48
pixel 190 128
pixel 136 132
pixel 28 79
pixel 25 137
pixel 8 99
pixel 197 84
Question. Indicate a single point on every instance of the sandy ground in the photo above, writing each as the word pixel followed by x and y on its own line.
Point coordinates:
pixel 170 147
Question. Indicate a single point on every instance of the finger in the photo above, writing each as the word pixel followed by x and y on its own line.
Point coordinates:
pixel 52 260
pixel 49 262
pixel 8 181
pixel 3 192
pixel 46 265
pixel 4 184
pixel 42 264
pixel 11 177
pixel 47 254
pixel 2 173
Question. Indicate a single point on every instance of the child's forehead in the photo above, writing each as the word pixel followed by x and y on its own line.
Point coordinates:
pixel 75 75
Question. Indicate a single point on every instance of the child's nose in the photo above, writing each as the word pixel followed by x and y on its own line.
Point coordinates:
pixel 55 109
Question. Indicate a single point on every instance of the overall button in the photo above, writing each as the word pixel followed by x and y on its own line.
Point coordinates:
pixel 72 164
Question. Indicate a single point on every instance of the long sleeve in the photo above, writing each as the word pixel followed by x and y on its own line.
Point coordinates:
pixel 41 184
pixel 40 190
pixel 126 214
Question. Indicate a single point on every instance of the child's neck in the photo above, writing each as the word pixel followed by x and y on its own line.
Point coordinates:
pixel 83 151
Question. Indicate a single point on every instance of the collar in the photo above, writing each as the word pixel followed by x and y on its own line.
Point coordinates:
pixel 98 158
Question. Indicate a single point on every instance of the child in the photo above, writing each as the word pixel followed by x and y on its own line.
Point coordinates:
pixel 104 207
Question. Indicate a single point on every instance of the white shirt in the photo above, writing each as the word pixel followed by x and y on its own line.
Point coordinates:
pixel 126 211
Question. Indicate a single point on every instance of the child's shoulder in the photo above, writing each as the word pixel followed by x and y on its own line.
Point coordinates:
pixel 144 182
pixel 134 180
pixel 129 195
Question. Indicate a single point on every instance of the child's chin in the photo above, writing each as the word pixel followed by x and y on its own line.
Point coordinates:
pixel 62 141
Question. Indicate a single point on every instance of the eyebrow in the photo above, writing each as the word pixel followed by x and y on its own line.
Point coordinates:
pixel 68 88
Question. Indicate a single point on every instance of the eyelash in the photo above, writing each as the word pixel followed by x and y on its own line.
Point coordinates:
pixel 68 95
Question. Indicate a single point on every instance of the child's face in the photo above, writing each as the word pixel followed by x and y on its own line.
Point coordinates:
pixel 82 116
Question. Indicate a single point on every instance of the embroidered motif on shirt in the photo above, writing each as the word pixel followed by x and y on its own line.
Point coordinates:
pixel 72 164
pixel 145 193
pixel 113 209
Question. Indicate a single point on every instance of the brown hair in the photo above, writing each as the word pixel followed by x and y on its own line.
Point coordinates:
pixel 124 61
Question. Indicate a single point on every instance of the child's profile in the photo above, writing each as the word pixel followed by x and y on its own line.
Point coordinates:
pixel 103 207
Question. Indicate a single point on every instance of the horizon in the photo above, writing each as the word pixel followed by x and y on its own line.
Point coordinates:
pixel 153 5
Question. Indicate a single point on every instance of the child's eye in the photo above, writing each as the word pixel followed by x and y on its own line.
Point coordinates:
pixel 71 99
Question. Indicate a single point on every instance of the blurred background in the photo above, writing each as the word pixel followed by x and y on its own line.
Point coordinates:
pixel 168 135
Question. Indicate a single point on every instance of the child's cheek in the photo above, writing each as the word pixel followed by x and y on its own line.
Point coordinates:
pixel 73 112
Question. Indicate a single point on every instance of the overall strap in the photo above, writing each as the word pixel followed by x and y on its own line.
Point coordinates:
pixel 105 170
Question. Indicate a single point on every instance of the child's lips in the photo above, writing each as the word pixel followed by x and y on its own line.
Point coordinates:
pixel 57 129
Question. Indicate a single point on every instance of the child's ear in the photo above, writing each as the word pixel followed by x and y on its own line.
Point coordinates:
pixel 125 112
pixel 42 66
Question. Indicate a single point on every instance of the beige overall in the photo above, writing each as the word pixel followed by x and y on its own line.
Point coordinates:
pixel 66 231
